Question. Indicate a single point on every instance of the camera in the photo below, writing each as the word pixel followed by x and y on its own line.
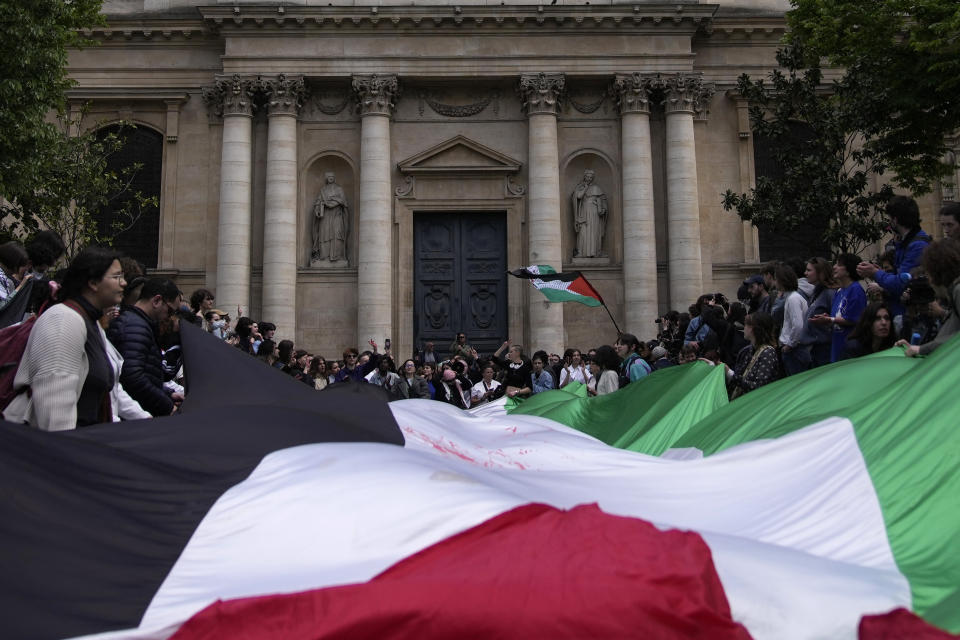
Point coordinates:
pixel 658 320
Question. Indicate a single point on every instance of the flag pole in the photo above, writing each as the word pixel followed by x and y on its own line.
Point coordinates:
pixel 611 319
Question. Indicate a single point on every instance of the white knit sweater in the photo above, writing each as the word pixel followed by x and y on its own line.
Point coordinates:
pixel 55 366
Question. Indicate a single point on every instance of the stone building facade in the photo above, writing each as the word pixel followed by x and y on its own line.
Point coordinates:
pixel 457 133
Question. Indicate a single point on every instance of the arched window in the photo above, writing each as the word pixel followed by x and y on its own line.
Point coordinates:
pixel 803 242
pixel 144 146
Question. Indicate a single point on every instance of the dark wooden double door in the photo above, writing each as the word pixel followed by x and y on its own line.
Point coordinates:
pixel 460 262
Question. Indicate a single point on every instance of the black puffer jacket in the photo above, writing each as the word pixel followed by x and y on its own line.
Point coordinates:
pixel 135 337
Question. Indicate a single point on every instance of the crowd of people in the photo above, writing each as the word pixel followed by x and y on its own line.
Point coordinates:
pixel 110 349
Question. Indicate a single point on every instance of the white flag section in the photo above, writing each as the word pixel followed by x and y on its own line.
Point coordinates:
pixel 794 524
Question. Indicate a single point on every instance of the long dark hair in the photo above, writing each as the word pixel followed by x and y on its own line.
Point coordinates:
pixel 762 325
pixel 92 263
pixel 863 332
pixel 607 358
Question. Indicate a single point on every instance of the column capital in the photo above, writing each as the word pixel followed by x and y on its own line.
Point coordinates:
pixel 231 96
pixel 284 94
pixel 632 92
pixel 685 93
pixel 376 94
pixel 542 92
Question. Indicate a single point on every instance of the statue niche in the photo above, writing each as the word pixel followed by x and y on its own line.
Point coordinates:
pixel 589 217
pixel 331 224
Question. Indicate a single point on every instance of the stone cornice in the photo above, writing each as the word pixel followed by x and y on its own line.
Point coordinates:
pixel 127 94
pixel 684 17
pixel 121 29
pixel 745 29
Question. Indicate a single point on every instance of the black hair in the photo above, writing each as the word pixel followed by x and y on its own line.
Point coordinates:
pixel 92 263
pixel 607 358
pixel 197 298
pixel 630 341
pixel 850 262
pixel 45 248
pixel 951 209
pixel 266 349
pixel 905 211
pixel 863 332
pixel 13 255
pixel 162 287
pixel 244 327
pixel 286 350
pixel 267 326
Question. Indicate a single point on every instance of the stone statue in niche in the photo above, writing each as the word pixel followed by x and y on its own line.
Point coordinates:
pixel 331 222
pixel 589 216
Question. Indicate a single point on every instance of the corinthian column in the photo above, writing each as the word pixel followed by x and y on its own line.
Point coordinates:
pixel 375 100
pixel 232 99
pixel 639 233
pixel 683 96
pixel 542 95
pixel 284 96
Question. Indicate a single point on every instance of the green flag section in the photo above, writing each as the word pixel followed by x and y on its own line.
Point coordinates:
pixel 907 423
pixel 647 417
pixel 568 286
pixel 906 418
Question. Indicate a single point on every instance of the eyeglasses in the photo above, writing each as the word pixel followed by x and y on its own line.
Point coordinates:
pixel 349 357
pixel 115 276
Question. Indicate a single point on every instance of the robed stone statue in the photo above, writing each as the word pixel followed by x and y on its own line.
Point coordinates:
pixel 589 216
pixel 331 221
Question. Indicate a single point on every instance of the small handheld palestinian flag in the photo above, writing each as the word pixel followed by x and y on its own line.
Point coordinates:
pixel 567 286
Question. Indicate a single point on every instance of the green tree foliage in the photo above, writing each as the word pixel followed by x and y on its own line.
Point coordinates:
pixel 34 38
pixel 884 120
pixel 78 184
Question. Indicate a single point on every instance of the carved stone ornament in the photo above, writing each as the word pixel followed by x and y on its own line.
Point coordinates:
pixel 684 92
pixel 284 94
pixel 406 189
pixel 459 111
pixel 344 100
pixel 587 107
pixel 542 92
pixel 231 96
pixel 375 94
pixel 513 188
pixel 632 93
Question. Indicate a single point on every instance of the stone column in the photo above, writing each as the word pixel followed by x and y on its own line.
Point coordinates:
pixel 284 96
pixel 232 98
pixel 683 96
pixel 542 95
pixel 375 101
pixel 639 231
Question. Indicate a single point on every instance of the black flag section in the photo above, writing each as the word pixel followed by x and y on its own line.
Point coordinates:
pixel 92 520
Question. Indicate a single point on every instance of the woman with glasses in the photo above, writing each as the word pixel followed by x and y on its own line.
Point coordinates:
pixel 65 378
pixel 410 385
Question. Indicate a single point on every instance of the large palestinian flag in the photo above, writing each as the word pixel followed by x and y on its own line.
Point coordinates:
pixel 332 514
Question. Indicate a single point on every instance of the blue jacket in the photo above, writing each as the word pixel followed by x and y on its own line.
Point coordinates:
pixel 907 255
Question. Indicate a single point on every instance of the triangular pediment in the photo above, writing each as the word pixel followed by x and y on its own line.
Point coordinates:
pixel 459 155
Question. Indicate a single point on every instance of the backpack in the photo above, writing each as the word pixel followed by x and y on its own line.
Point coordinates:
pixel 13 342
pixel 624 373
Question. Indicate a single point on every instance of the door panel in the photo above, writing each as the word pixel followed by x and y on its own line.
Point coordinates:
pixel 460 281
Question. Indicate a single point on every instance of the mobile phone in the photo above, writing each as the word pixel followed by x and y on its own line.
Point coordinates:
pixel 386 343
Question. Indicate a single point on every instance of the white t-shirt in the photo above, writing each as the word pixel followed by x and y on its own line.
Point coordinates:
pixel 578 374
pixel 477 391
